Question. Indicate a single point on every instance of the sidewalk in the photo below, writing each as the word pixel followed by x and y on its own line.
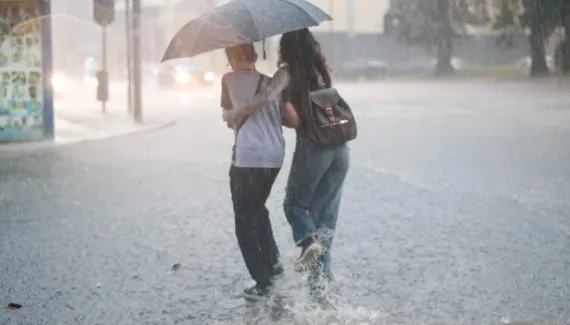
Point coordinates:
pixel 79 118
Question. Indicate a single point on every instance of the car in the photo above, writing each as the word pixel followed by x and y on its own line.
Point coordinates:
pixel 456 63
pixel 526 62
pixel 429 64
pixel 184 73
pixel 368 69
pixel 60 83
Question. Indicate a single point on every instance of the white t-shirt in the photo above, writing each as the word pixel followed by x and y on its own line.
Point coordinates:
pixel 259 142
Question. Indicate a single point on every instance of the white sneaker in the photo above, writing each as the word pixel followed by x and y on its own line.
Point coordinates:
pixel 310 253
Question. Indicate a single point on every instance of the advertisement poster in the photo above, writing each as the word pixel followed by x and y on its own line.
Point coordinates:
pixel 21 72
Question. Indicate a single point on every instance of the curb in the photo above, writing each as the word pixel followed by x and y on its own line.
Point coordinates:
pixel 141 130
pixel 26 147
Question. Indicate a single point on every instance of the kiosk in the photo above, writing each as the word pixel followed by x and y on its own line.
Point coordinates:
pixel 26 96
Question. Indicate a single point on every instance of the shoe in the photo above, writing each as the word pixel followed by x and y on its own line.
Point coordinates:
pixel 258 292
pixel 311 250
pixel 277 271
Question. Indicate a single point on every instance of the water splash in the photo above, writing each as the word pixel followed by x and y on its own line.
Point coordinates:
pixel 292 304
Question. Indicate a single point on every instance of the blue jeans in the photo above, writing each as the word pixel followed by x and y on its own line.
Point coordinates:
pixel 314 191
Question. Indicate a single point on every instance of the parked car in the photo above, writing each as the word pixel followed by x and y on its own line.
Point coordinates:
pixel 429 64
pixel 184 73
pixel 64 82
pixel 527 61
pixel 456 63
pixel 368 69
pixel 60 84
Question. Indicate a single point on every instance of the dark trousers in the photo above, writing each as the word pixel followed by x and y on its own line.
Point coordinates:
pixel 250 188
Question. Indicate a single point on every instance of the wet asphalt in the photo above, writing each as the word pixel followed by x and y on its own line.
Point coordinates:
pixel 456 211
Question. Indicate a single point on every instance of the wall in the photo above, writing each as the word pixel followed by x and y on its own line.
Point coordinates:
pixel 368 15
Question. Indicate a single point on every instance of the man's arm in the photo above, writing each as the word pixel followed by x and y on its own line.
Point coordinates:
pixel 279 82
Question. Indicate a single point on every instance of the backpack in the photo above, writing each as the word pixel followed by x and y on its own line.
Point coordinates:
pixel 334 126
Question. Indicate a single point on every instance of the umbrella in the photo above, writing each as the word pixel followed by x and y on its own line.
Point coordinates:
pixel 242 21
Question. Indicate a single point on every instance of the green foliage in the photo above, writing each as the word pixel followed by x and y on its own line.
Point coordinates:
pixel 540 16
pixel 422 22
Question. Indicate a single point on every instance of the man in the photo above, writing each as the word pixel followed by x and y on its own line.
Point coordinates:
pixel 258 155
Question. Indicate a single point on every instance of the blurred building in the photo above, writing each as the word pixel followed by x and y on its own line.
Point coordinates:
pixel 354 16
pixel 77 37
pixel 357 16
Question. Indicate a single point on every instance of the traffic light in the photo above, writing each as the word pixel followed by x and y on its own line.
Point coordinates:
pixel 104 12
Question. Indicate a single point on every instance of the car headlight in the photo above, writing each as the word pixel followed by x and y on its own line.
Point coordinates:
pixel 59 81
pixel 182 77
pixel 209 76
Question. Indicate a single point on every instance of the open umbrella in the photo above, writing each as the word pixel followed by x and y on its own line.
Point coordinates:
pixel 242 21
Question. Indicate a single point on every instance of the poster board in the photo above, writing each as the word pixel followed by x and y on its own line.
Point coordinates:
pixel 26 101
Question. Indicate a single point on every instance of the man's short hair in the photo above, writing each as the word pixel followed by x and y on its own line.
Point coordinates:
pixel 242 53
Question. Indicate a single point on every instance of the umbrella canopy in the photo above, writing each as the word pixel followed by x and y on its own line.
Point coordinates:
pixel 242 21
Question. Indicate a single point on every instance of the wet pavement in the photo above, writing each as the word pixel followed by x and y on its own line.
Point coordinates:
pixel 455 211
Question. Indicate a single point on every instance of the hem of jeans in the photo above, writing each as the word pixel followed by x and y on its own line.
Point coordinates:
pixel 299 242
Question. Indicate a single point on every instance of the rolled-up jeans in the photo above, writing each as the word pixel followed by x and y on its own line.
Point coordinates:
pixel 314 191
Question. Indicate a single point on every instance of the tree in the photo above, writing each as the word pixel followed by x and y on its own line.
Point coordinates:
pixel 563 49
pixel 538 19
pixel 433 24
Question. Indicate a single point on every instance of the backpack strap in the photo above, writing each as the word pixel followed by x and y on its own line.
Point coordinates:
pixel 257 91
pixel 242 122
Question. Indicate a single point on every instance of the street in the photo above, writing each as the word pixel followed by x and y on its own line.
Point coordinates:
pixel 455 211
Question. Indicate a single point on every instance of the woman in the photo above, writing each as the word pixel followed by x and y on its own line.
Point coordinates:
pixel 314 188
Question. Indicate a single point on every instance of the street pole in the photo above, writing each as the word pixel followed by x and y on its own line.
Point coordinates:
pixel 129 51
pixel 104 61
pixel 350 17
pixel 331 13
pixel 137 94
pixel 332 35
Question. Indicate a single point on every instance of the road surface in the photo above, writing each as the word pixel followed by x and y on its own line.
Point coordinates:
pixel 455 211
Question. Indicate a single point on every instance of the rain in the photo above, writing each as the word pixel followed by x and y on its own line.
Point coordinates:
pixel 454 211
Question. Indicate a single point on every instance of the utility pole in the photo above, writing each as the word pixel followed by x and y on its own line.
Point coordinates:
pixel 332 35
pixel 350 9
pixel 129 53
pixel 137 91
pixel 331 13
pixel 104 66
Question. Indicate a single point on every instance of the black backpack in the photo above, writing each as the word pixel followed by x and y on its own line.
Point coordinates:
pixel 331 121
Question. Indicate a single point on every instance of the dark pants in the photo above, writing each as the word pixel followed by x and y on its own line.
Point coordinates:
pixel 250 189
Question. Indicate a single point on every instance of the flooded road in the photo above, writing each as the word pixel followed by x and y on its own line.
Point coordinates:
pixel 455 211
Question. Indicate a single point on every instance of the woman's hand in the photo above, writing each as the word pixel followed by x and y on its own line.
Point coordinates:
pixel 290 116
pixel 229 118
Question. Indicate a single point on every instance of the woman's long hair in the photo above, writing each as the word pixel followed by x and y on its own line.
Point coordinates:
pixel 307 66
